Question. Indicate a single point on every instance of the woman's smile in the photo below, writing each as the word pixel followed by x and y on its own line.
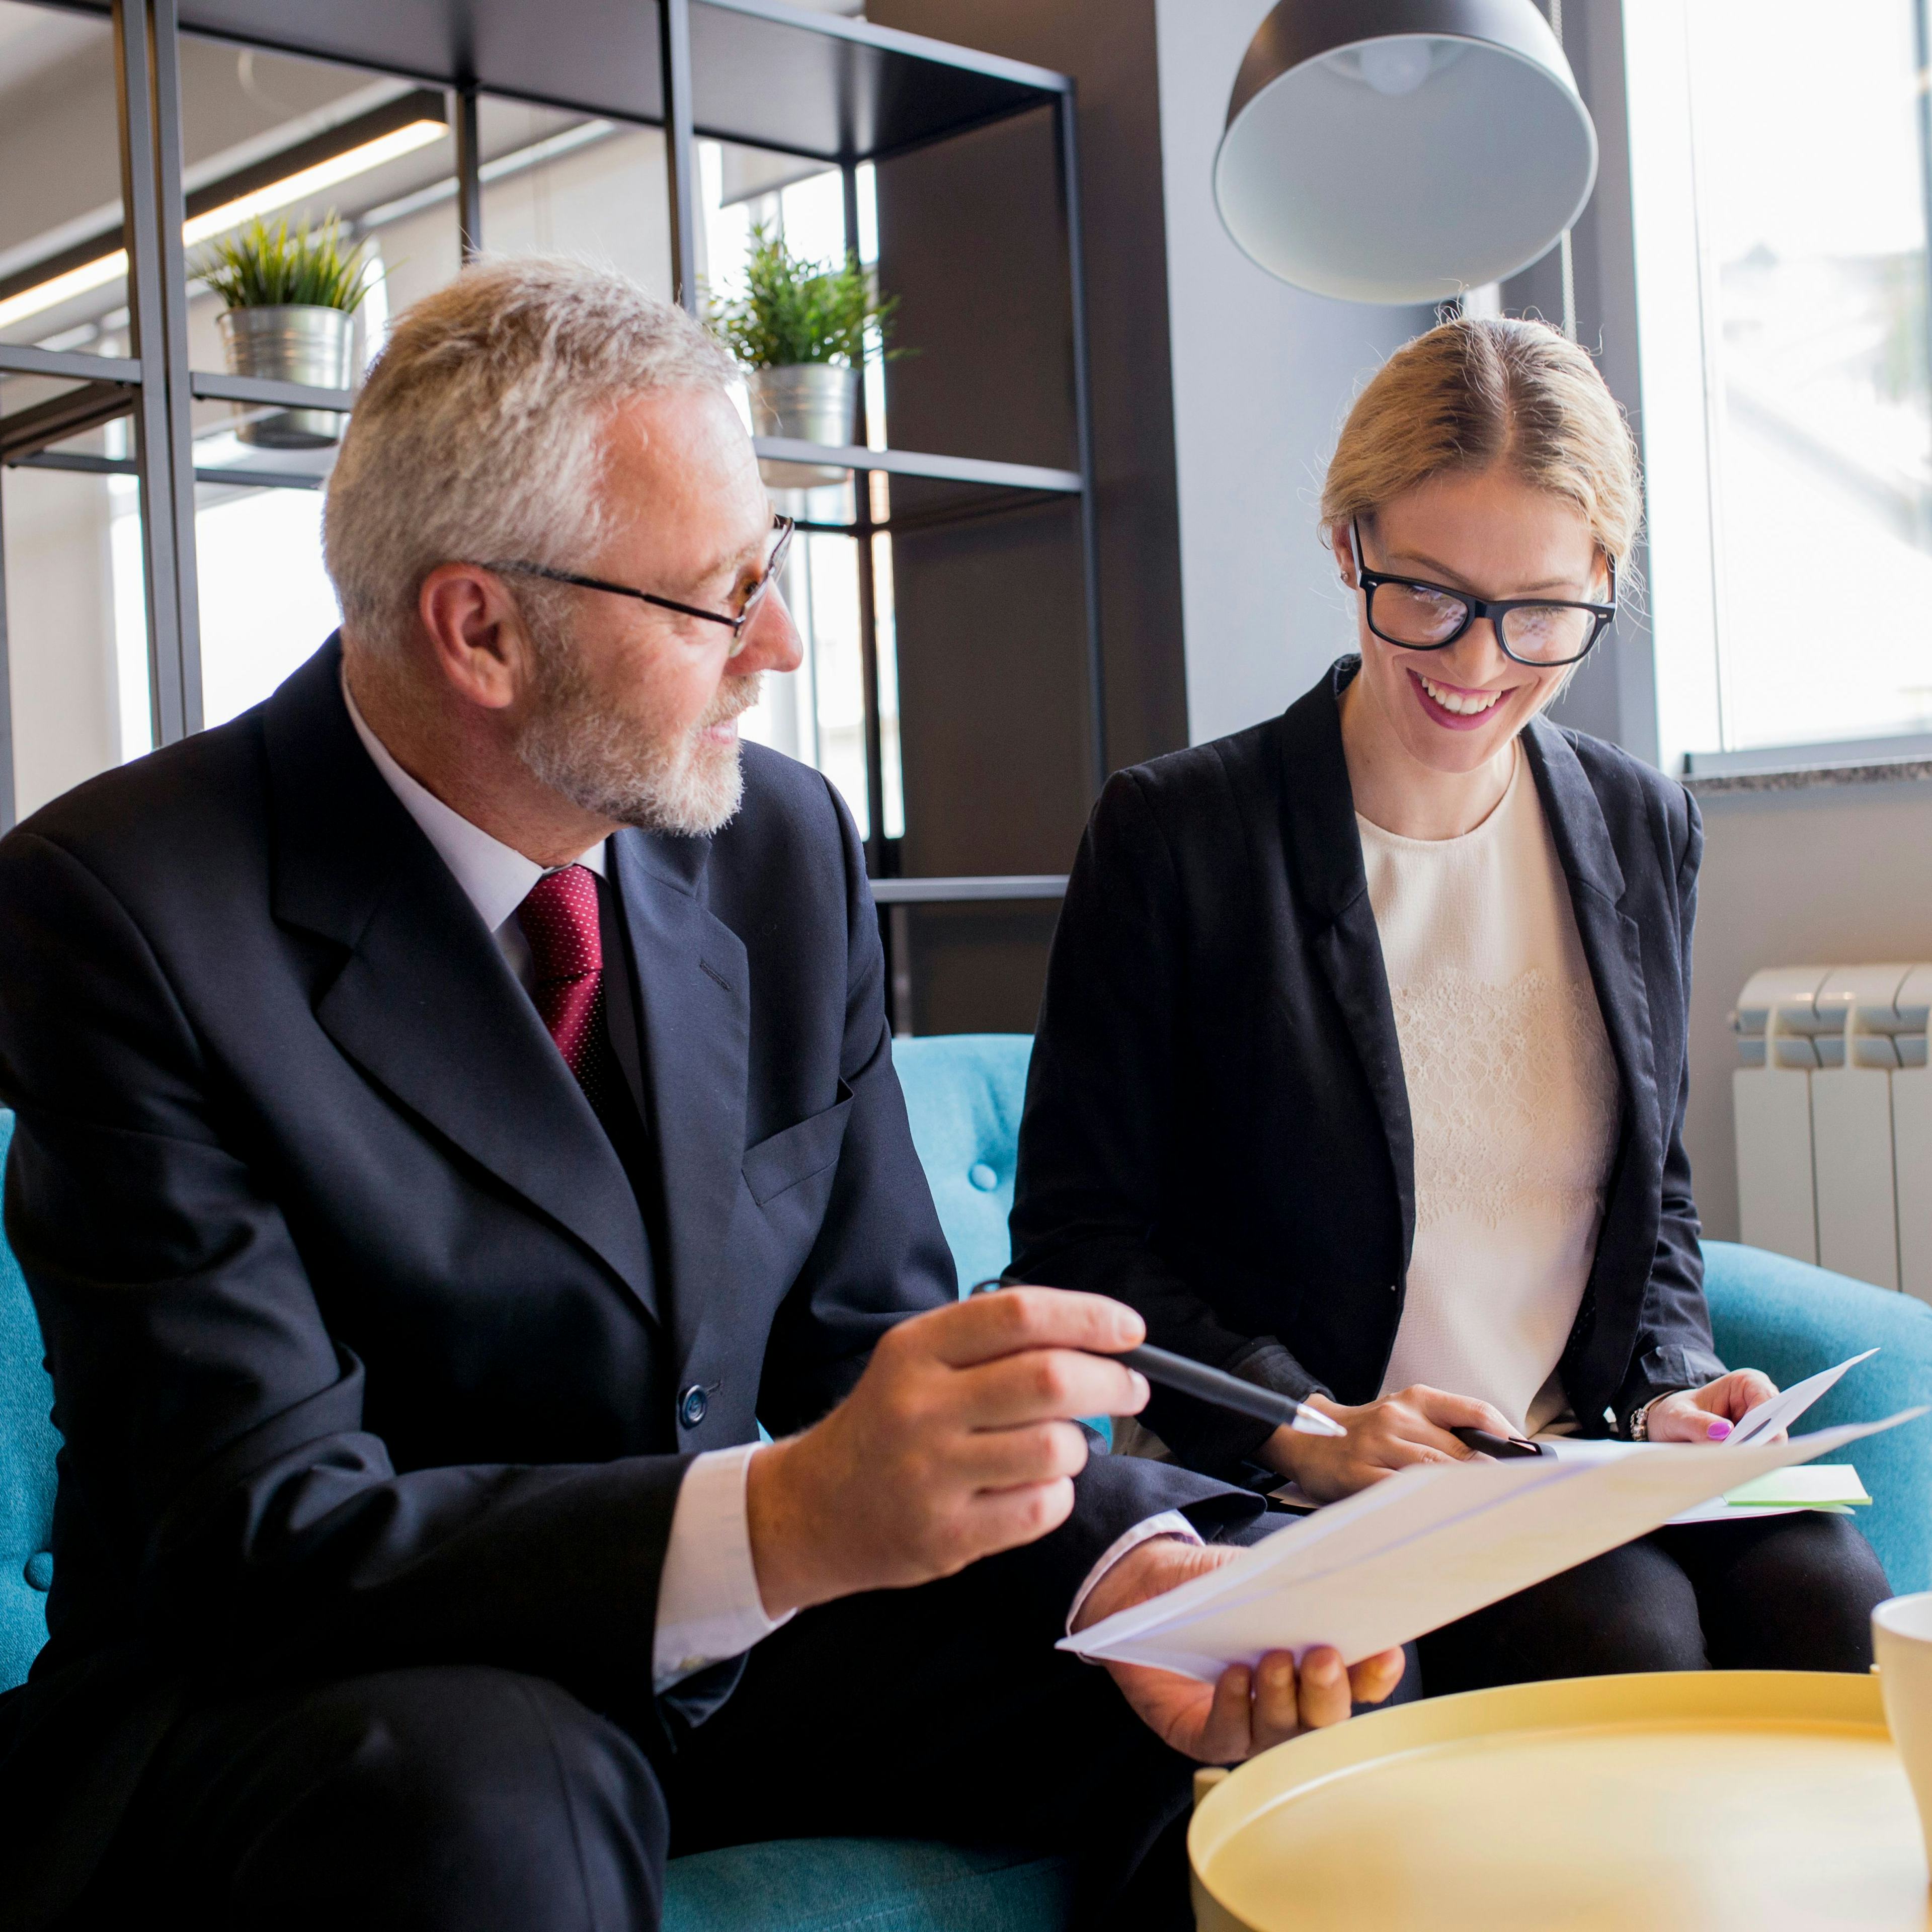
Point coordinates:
pixel 1456 707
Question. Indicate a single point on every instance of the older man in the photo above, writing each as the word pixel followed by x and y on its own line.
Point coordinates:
pixel 455 1108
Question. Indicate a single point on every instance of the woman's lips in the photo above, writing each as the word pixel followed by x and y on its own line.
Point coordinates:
pixel 1454 721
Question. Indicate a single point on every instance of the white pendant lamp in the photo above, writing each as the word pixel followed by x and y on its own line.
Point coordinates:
pixel 1402 151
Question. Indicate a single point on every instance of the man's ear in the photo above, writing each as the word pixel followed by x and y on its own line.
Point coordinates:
pixel 476 634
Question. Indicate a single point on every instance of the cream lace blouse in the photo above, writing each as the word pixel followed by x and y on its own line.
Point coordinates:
pixel 1513 1093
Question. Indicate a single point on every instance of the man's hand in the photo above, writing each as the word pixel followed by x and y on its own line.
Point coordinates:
pixel 1694 1415
pixel 1248 1710
pixel 958 1441
pixel 1385 1436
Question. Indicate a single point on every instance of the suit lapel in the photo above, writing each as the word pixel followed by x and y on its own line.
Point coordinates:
pixel 694 996
pixel 425 1004
pixel 1324 850
pixel 1611 944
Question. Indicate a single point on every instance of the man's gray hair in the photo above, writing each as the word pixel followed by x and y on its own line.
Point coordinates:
pixel 479 433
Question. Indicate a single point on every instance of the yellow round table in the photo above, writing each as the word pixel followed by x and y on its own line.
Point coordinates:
pixel 1715 1801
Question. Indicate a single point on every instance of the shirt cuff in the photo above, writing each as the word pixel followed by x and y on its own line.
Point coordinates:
pixel 709 1607
pixel 1169 1523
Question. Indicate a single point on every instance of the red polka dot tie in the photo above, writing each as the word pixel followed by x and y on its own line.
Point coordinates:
pixel 559 920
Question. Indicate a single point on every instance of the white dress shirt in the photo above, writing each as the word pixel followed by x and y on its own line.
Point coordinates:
pixel 708 1608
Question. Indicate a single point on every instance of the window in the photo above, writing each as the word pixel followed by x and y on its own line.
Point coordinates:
pixel 1780 180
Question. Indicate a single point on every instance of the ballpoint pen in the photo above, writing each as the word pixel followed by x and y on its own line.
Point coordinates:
pixel 1188 1377
pixel 1501 1446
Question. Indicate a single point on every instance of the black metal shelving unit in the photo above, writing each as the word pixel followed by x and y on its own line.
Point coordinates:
pixel 760 72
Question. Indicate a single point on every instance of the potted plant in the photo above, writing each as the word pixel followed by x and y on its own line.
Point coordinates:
pixel 290 296
pixel 800 331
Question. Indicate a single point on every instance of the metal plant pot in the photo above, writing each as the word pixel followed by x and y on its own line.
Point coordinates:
pixel 297 343
pixel 809 402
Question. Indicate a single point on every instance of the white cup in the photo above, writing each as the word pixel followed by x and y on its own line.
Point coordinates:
pixel 1902 1641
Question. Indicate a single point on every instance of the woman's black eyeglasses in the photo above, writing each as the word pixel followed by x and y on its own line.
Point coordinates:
pixel 1533 630
pixel 782 528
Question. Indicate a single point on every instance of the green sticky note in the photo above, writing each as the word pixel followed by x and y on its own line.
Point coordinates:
pixel 1806 1485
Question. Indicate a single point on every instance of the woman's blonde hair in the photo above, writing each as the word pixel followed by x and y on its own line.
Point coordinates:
pixel 1470 394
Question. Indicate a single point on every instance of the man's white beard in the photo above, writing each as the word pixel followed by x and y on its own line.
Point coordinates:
pixel 689 784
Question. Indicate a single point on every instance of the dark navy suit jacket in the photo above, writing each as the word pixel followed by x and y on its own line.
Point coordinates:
pixel 1216 1126
pixel 364 1352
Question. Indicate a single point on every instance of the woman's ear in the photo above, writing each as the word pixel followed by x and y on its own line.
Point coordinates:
pixel 1345 556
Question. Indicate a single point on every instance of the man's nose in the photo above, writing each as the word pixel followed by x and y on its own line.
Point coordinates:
pixel 770 641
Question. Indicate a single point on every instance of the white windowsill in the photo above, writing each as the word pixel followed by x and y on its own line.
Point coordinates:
pixel 1799 768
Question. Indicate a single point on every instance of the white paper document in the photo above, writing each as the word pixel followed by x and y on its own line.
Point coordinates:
pixel 1420 1549
pixel 1782 1410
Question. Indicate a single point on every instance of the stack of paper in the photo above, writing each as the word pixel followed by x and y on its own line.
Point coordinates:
pixel 1427 1545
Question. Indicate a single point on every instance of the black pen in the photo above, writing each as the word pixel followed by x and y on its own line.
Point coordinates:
pixel 1501 1446
pixel 1188 1377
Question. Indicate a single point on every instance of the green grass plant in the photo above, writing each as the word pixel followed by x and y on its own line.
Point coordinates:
pixel 271 266
pixel 794 311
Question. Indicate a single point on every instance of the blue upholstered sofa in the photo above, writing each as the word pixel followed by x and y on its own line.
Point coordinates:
pixel 964 1095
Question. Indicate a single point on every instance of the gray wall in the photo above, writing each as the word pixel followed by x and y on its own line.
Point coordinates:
pixel 1614 695
pixel 1838 875
pixel 1263 375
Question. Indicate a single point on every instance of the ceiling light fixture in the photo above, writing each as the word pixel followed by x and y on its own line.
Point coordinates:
pixel 1402 151
pixel 285 193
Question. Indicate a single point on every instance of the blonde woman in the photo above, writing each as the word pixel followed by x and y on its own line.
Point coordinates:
pixel 1361 1068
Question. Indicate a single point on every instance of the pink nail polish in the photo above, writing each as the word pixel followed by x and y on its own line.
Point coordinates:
pixel 1718 1430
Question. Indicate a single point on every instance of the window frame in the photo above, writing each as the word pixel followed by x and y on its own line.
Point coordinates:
pixel 1671 275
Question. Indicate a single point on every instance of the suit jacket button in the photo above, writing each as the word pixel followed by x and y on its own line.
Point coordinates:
pixel 691 1405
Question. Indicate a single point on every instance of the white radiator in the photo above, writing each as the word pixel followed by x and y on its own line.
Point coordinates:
pixel 1834 1119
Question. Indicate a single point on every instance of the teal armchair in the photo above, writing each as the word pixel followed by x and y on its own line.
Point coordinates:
pixel 1791 1320
pixel 964 1094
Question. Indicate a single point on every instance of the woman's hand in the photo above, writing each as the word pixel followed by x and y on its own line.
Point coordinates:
pixel 1383 1436
pixel 1708 1415
pixel 1248 1710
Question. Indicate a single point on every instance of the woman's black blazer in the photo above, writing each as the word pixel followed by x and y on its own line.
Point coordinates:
pixel 1216 1127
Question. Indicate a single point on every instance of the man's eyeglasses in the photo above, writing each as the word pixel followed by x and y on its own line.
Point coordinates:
pixel 779 549
pixel 1533 630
